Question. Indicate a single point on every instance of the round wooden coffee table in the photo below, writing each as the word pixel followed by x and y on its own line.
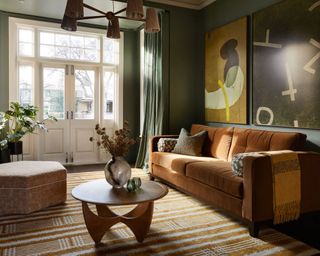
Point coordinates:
pixel 100 193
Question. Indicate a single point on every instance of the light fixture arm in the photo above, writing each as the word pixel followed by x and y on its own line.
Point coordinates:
pixel 92 17
pixel 126 18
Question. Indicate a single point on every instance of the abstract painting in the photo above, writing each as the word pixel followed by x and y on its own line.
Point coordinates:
pixel 225 73
pixel 286 64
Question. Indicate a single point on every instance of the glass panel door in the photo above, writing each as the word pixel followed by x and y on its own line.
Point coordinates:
pixel 54 94
pixel 54 144
pixel 85 114
pixel 84 94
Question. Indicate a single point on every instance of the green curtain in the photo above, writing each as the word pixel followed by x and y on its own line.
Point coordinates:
pixel 153 92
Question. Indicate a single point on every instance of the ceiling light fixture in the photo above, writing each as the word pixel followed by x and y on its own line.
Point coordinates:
pixel 134 11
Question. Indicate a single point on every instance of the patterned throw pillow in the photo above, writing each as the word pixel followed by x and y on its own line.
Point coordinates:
pixel 166 144
pixel 237 162
pixel 190 145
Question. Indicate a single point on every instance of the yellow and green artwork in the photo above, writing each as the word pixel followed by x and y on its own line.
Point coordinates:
pixel 225 73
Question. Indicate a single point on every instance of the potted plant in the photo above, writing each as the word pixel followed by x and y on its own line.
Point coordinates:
pixel 21 120
pixel 4 150
pixel 117 170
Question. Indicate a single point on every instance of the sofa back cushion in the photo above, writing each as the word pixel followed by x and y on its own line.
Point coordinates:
pixel 250 140
pixel 217 143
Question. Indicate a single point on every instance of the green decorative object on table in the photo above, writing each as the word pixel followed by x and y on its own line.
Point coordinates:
pixel 133 184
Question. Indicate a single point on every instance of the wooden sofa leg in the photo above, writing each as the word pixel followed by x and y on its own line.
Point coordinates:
pixel 254 229
pixel 151 177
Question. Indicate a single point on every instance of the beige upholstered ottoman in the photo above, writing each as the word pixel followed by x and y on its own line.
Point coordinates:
pixel 28 186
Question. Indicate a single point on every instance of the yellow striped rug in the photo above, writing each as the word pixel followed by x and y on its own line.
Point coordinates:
pixel 181 226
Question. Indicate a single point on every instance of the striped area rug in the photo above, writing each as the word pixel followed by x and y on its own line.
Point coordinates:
pixel 181 226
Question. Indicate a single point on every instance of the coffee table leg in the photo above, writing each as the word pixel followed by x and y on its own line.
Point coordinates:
pixel 139 220
pixel 97 225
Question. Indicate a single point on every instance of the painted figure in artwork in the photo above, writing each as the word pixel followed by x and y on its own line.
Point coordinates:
pixel 231 88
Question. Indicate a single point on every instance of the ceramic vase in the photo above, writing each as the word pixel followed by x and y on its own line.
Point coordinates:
pixel 117 172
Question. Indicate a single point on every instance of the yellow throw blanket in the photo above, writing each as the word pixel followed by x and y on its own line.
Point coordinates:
pixel 286 185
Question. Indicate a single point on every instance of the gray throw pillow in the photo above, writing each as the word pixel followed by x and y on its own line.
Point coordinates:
pixel 190 145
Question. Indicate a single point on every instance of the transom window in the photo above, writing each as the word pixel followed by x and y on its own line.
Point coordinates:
pixel 69 47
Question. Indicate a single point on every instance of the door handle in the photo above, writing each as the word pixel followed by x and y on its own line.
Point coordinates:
pixel 71 157
pixel 71 117
pixel 67 114
pixel 67 158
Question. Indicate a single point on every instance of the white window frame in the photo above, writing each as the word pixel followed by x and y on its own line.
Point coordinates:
pixel 15 59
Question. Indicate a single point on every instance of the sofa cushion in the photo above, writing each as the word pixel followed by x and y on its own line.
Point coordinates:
pixel 218 175
pixel 249 140
pixel 176 162
pixel 166 144
pixel 218 141
pixel 190 144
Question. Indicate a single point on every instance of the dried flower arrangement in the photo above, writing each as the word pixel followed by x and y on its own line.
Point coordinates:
pixel 118 144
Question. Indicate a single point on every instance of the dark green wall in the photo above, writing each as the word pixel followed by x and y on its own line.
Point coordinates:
pixel 222 12
pixel 4 63
pixel 183 66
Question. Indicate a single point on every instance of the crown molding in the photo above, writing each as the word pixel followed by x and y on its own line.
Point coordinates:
pixel 197 6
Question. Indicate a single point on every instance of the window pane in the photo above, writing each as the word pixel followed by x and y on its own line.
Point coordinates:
pixel 61 52
pixel 111 51
pixel 91 43
pixel 84 94
pixel 25 35
pixel 46 38
pixel 109 86
pixel 25 84
pixel 54 92
pixel 76 41
pixel 62 40
pixel 25 42
pixel 26 49
pixel 76 53
pixel 91 55
pixel 47 51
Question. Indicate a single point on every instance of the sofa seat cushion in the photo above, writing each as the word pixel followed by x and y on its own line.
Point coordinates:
pixel 218 175
pixel 177 162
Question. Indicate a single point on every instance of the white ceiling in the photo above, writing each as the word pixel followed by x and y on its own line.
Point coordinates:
pixel 55 8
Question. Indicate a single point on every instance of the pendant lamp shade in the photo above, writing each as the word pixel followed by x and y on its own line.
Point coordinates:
pixel 134 9
pixel 74 9
pixel 152 21
pixel 69 24
pixel 113 30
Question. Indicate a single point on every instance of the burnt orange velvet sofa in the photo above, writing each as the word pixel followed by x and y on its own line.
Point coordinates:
pixel 210 177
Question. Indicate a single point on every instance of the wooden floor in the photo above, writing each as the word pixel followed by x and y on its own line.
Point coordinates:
pixel 306 229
